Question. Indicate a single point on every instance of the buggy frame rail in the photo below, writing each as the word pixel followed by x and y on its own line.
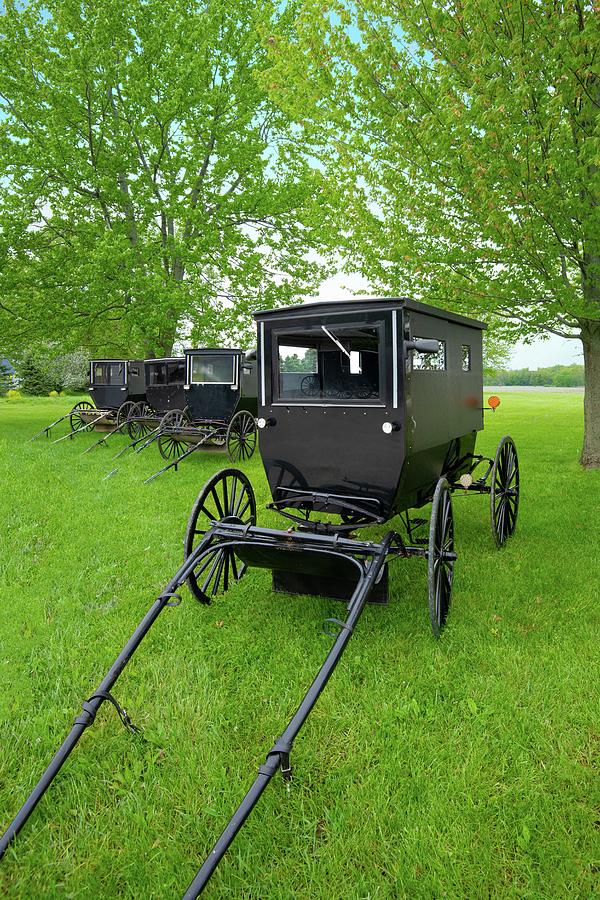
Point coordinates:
pixel 208 437
pixel 97 416
pixel 49 428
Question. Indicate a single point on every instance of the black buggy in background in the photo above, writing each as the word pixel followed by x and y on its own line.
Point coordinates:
pixel 116 387
pixel 164 397
pixel 220 394
pixel 367 410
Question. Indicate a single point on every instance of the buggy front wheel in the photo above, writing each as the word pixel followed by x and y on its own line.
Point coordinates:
pixel 125 412
pixel 171 443
pixel 76 419
pixel 138 425
pixel 504 491
pixel 241 437
pixel 440 557
pixel 228 496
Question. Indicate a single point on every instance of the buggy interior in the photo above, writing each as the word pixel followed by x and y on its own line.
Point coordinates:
pixel 329 363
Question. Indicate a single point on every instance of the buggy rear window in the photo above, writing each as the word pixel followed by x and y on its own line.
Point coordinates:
pixel 329 364
pixel 213 369
pixel 167 373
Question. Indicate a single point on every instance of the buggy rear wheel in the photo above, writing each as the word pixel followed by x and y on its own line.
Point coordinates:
pixel 311 385
pixel 229 496
pixel 504 491
pixel 170 444
pixel 138 427
pixel 75 419
pixel 241 437
pixel 441 556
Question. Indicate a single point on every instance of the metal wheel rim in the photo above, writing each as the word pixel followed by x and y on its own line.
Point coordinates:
pixel 440 570
pixel 504 492
pixel 241 437
pixel 227 495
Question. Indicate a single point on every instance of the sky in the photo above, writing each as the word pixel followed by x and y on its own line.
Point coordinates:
pixel 539 354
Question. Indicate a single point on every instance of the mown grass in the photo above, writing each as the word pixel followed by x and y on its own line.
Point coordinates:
pixel 466 767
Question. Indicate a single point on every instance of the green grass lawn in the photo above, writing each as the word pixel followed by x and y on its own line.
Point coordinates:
pixel 462 768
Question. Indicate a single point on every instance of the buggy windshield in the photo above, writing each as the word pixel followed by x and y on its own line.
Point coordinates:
pixel 108 373
pixel 332 364
pixel 216 369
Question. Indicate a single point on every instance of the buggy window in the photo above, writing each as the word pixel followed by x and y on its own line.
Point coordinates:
pixel 109 373
pixel 115 373
pixel 213 369
pixel 158 373
pixel 466 358
pixel 176 372
pixel 429 362
pixel 330 364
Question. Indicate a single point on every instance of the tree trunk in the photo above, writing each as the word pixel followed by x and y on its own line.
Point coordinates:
pixel 590 336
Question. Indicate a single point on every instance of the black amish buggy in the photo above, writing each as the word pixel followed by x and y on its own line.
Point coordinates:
pixel 164 398
pixel 367 410
pixel 219 408
pixel 117 386
pixel 165 395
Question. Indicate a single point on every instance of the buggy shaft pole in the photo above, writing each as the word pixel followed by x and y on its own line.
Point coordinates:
pixel 279 754
pixel 92 706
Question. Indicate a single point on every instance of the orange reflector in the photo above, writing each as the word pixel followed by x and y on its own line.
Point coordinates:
pixel 493 402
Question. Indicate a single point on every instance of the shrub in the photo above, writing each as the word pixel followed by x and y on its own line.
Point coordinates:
pixel 6 379
pixel 53 394
pixel 14 395
pixel 41 373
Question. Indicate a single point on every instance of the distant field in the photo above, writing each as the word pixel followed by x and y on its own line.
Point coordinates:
pixel 534 388
pixel 461 768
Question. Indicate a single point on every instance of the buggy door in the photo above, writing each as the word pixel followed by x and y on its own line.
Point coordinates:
pixel 108 383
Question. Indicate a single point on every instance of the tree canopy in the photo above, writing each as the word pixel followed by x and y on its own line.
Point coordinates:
pixel 465 139
pixel 150 187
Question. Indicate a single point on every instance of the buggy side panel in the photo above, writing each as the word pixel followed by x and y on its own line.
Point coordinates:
pixel 163 397
pixel 443 405
pixel 212 402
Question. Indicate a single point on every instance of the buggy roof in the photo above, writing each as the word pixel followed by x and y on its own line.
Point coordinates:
pixel 166 359
pixel 117 360
pixel 372 304
pixel 225 351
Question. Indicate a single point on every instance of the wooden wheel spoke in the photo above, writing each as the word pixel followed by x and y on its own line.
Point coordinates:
pixel 245 507
pixel 217 503
pixel 215 563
